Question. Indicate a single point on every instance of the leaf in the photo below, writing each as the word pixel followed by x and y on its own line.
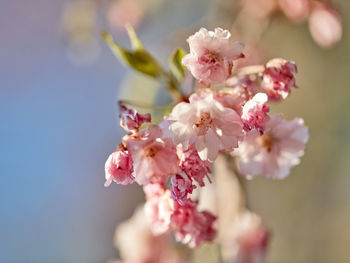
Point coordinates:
pixel 175 64
pixel 139 59
pixel 136 44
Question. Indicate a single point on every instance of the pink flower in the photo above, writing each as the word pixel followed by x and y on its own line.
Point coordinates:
pixel 181 187
pixel 274 153
pixel 278 78
pixel 152 190
pixel 137 244
pixel 191 226
pixel 119 168
pixel 158 210
pixel 325 26
pixel 254 114
pixel 154 157
pixel 248 239
pixel 211 55
pixel 131 120
pixel 205 123
pixel 193 166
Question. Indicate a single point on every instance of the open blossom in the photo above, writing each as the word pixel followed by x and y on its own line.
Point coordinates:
pixel 158 210
pixel 254 113
pixel 181 188
pixel 154 157
pixel 193 166
pixel 206 124
pixel 119 168
pixel 137 244
pixel 274 153
pixel 131 120
pixel 278 78
pixel 211 55
pixel 191 226
pixel 248 239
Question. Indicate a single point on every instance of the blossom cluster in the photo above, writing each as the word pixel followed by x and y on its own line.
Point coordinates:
pixel 228 114
pixel 323 19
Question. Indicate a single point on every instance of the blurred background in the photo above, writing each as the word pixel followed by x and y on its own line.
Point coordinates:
pixel 59 121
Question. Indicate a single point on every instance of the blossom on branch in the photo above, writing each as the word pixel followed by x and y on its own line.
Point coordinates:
pixel 212 55
pixel 206 124
pixel 278 78
pixel 274 153
pixel 119 168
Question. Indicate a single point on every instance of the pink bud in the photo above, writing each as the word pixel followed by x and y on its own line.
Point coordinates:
pixel 181 187
pixel 278 78
pixel 131 120
pixel 254 113
pixel 325 26
pixel 193 166
pixel 119 168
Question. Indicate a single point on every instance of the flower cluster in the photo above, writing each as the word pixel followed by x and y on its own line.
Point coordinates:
pixel 324 21
pixel 229 114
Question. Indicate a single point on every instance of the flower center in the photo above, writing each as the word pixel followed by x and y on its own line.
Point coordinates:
pixel 203 123
pixel 209 58
pixel 150 151
pixel 265 141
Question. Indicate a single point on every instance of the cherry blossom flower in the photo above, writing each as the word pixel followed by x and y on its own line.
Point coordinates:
pixel 119 168
pixel 278 78
pixel 131 120
pixel 193 166
pixel 154 157
pixel 205 123
pixel 274 153
pixel 191 226
pixel 152 190
pixel 137 244
pixel 211 55
pixel 158 210
pixel 181 187
pixel 254 114
pixel 248 239
pixel 325 26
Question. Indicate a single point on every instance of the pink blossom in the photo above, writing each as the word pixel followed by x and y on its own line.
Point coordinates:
pixel 154 157
pixel 191 226
pixel 325 26
pixel 137 244
pixel 211 55
pixel 158 210
pixel 181 187
pixel 193 166
pixel 278 78
pixel 152 190
pixel 248 239
pixel 119 168
pixel 205 123
pixel 254 114
pixel 131 120
pixel 274 153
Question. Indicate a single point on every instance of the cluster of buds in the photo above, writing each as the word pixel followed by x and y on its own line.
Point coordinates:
pixel 324 21
pixel 229 114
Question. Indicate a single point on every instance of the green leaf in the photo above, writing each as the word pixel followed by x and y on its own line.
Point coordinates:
pixel 139 59
pixel 175 64
pixel 134 39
